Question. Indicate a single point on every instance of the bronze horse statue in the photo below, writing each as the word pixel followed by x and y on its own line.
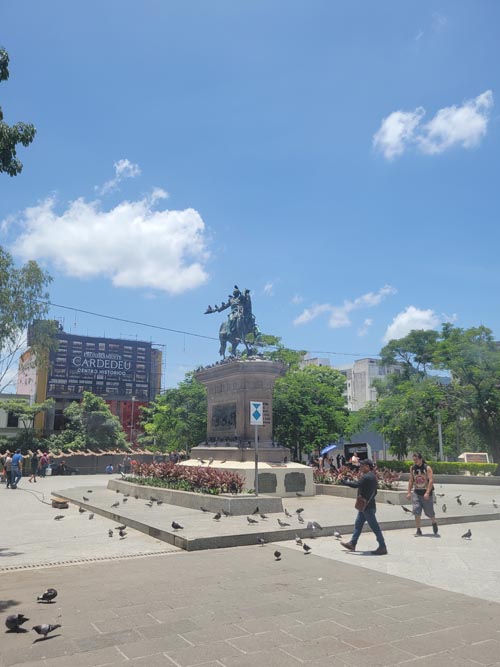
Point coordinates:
pixel 239 325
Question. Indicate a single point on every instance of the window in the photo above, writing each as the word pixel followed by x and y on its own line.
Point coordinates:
pixel 12 421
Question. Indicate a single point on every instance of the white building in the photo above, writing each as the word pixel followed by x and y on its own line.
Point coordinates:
pixel 9 425
pixel 360 376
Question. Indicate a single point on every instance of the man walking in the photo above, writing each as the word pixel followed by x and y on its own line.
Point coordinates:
pixel 367 489
pixel 17 468
pixel 421 492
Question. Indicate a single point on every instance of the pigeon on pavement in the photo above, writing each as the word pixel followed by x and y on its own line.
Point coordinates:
pixel 177 526
pixel 256 510
pixel 226 513
pixel 472 503
pixel 216 517
pixel 316 525
pixel 89 491
pixel 467 535
pixel 110 532
pixel 300 518
pixel 250 520
pixel 14 622
pixel 204 509
pixel 458 500
pixel 283 524
pixel 45 628
pixel 287 513
pixel 158 502
pixel 81 510
pixel 210 460
pixel 307 548
pixel 263 516
pixel 261 541
pixel 389 502
pixel 59 517
pixel 49 595
pixel 405 509
pixel 336 534
pixel 444 508
pixel 299 511
pixel 298 540
pixel 125 500
pixel 117 504
pixel 91 516
pixel 277 555
pixel 122 533
pixel 85 498
pixel 299 495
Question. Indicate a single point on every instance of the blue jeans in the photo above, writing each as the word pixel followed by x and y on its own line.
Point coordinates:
pixel 370 518
pixel 16 476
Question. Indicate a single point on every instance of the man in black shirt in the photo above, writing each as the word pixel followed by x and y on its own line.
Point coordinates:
pixel 367 489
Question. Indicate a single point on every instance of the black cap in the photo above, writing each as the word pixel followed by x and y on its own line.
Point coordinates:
pixel 367 462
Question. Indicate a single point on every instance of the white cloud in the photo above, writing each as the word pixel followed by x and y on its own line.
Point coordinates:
pixel 396 132
pixel 464 126
pixel 409 319
pixel 296 299
pixel 269 289
pixel 439 22
pixel 363 330
pixel 339 315
pixel 123 169
pixel 132 244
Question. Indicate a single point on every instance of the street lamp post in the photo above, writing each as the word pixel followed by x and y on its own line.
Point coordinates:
pixel 132 421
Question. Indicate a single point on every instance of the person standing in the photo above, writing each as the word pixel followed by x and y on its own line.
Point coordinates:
pixel 367 489
pixel 17 468
pixel 34 467
pixel 44 464
pixel 7 466
pixel 421 493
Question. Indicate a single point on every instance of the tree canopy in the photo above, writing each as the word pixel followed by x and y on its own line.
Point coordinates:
pixel 309 408
pixel 11 135
pixel 177 419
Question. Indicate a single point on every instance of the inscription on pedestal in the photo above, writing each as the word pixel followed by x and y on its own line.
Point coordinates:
pixel 295 481
pixel 267 482
pixel 224 417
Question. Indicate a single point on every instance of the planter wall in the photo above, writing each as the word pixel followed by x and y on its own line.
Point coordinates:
pixel 396 497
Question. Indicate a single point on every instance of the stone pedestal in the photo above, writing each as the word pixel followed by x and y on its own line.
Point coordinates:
pixel 231 386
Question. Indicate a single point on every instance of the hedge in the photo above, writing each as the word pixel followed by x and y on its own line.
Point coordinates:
pixel 443 467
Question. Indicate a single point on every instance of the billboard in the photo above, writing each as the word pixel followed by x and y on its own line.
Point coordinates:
pixel 111 368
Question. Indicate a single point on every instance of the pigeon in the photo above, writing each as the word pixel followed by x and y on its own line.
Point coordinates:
pixel 210 460
pixel 459 501
pixel 250 520
pixel 223 461
pixel 336 534
pixel 226 513
pixel 158 502
pixel 389 502
pixel 216 517
pixel 298 540
pixel 310 525
pixel 126 495
pixel 91 516
pixel 85 498
pixel 59 517
pixel 110 532
pixel 45 628
pixel 444 508
pixel 405 509
pixel 177 526
pixel 256 511
pixel 299 511
pixel 316 525
pixel 204 509
pixel 117 504
pixel 149 504
pixel 202 462
pixel 125 500
pixel 117 491
pixel 287 513
pixel 14 622
pixel 307 548
pixel 472 503
pixel 49 595
pixel 440 495
pixel 459 496
pixel 152 499
pixel 300 518
pixel 277 555
pixel 263 516
pixel 299 495
pixel 122 527
pixel 81 510
pixel 282 524
pixel 136 496
pixel 261 541
pixel 122 532
pixel 467 535
pixel 495 506
pixel 89 491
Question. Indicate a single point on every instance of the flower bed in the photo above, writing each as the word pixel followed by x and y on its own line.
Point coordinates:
pixel 186 478
pixel 387 479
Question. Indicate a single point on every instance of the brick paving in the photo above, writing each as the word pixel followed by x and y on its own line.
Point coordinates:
pixel 238 607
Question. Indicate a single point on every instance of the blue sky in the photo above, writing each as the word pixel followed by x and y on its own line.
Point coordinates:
pixel 339 159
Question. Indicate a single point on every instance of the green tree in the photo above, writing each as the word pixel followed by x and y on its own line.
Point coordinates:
pixel 415 352
pixel 11 135
pixel 309 409
pixel 90 425
pixel 23 298
pixel 177 420
pixel 26 413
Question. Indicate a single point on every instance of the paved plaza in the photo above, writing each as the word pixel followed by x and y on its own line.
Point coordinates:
pixel 139 601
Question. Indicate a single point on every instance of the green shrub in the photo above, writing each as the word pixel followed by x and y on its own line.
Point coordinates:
pixel 443 467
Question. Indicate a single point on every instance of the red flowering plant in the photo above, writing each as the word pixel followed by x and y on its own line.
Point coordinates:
pixel 187 478
pixel 387 479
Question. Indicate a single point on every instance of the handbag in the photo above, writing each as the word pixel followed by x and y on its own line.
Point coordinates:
pixel 361 502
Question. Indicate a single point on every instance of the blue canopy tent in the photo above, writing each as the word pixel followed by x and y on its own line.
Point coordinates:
pixel 327 449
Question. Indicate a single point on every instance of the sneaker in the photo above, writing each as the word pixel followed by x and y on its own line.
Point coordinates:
pixel 435 528
pixel 418 533
pixel 381 551
pixel 348 545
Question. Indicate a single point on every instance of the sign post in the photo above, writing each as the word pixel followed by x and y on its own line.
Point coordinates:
pixel 256 420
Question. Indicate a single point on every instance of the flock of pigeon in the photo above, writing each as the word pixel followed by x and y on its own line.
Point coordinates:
pixel 14 622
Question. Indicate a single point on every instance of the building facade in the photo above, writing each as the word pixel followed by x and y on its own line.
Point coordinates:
pixel 360 377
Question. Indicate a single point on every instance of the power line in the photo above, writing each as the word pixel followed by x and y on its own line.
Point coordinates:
pixel 179 331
